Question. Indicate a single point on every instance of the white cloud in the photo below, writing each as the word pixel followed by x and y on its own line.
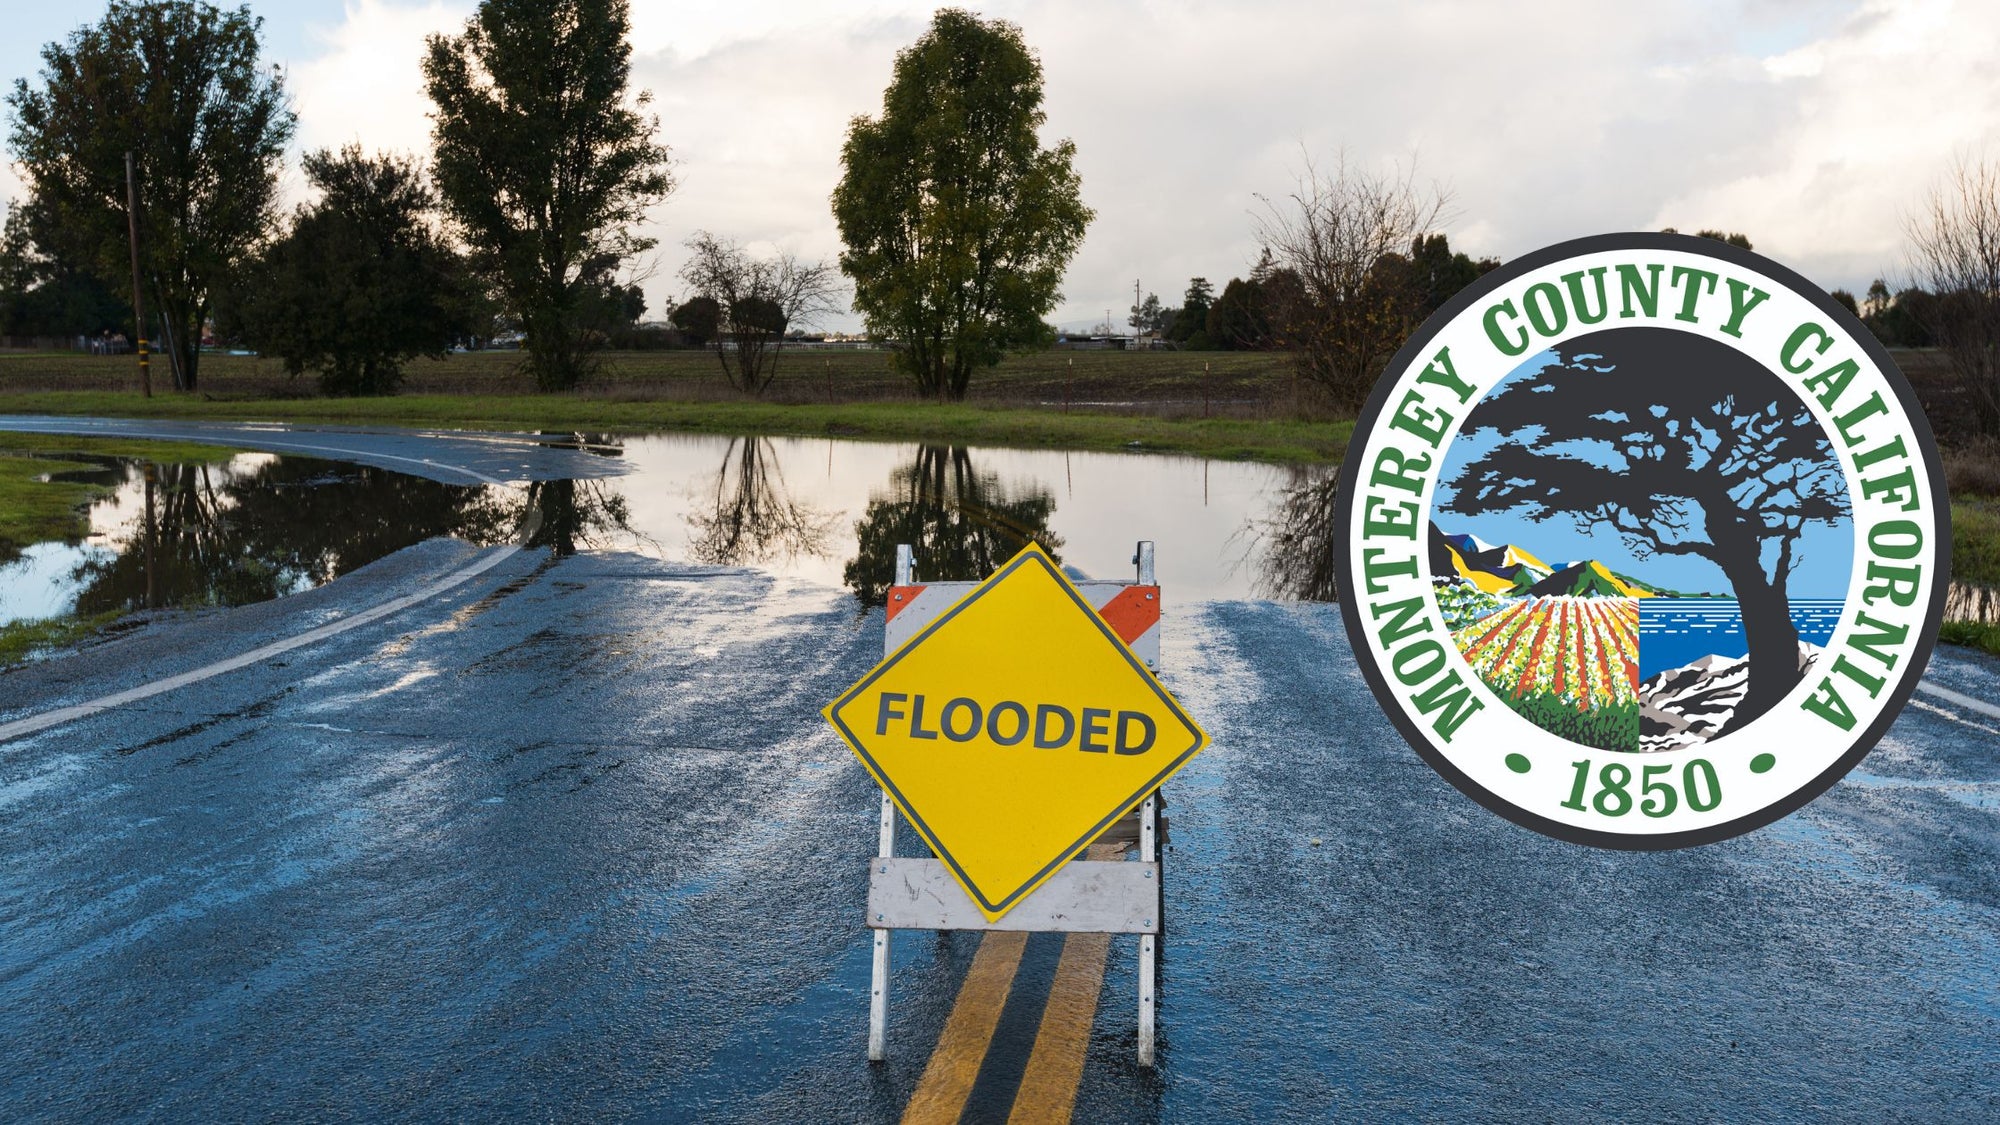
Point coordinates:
pixel 366 84
pixel 1880 108
pixel 1810 125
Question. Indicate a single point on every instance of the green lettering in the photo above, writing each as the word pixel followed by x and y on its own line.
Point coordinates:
pixel 1825 701
pixel 1579 301
pixel 1647 292
pixel 1372 568
pixel 1827 385
pixel 1446 376
pixel 1880 643
pixel 1405 620
pixel 1494 331
pixel 1798 338
pixel 1547 320
pixel 1407 473
pixel 1413 417
pixel 1690 293
pixel 1379 518
pixel 1739 307
pixel 1453 698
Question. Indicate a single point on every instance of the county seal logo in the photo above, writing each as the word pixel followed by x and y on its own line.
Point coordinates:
pixel 1645 545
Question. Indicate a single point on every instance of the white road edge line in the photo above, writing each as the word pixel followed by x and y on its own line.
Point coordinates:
pixel 34 724
pixel 1951 716
pixel 1977 706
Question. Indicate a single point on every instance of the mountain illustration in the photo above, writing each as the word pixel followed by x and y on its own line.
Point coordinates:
pixel 1510 570
pixel 1588 579
pixel 1496 570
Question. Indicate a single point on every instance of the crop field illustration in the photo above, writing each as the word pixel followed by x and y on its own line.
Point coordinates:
pixel 1570 665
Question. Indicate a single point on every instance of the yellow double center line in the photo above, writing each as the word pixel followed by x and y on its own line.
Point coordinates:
pixel 1047 1091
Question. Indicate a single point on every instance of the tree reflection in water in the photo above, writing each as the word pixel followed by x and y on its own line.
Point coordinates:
pixel 961 522
pixel 570 515
pixel 754 519
pixel 1964 601
pixel 1299 539
pixel 575 514
pixel 218 538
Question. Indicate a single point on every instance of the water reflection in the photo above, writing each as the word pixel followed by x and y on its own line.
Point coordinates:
pixel 961 521
pixel 1298 539
pixel 755 518
pixel 1967 602
pixel 576 514
pixel 263 527
pixel 825 511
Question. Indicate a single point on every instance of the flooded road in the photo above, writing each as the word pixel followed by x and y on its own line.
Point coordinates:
pixel 571 841
pixel 261 525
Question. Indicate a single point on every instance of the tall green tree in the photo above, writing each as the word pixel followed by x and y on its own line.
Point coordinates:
pixel 546 166
pixel 176 83
pixel 1190 321
pixel 363 283
pixel 958 223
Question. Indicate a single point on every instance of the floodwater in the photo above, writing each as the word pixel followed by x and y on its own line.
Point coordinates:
pixel 259 526
pixel 249 529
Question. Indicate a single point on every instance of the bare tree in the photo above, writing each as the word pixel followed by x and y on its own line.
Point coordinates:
pixel 1955 253
pixel 1346 313
pixel 758 300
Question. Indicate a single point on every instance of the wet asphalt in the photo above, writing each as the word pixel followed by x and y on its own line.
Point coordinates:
pixel 572 842
pixel 450 456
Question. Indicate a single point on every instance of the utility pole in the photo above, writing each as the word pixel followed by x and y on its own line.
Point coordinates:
pixel 138 309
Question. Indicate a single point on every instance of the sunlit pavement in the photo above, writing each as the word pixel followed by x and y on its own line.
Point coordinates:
pixel 571 841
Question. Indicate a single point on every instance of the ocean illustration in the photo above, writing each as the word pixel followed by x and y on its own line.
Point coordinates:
pixel 1639 540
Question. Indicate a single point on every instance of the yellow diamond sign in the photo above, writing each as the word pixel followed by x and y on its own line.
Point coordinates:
pixel 1014 729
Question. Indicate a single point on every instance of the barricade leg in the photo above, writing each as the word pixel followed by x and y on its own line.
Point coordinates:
pixel 1148 997
pixel 878 995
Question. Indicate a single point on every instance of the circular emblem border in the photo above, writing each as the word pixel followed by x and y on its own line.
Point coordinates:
pixel 1418 345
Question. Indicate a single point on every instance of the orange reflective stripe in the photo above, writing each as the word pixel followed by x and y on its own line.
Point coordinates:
pixel 900 598
pixel 1134 610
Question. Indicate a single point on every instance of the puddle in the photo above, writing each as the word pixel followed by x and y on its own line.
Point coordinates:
pixel 259 526
pixel 248 529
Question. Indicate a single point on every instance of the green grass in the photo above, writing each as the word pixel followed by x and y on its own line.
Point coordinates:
pixel 1972 634
pixel 1975 540
pixel 1150 401
pixel 33 510
pixel 23 640
pixel 1239 382
pixel 1017 427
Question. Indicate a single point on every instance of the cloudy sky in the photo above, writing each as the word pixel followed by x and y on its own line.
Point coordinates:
pixel 1813 126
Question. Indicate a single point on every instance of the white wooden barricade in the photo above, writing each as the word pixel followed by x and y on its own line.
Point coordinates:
pixel 1085 896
